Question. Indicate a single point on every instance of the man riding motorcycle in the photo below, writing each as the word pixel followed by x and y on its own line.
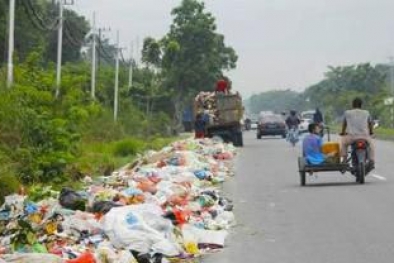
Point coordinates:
pixel 357 124
pixel 292 123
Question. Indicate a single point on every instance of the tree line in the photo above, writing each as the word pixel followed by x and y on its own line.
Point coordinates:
pixel 41 135
pixel 335 92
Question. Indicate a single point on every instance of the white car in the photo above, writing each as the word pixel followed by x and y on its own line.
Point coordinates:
pixel 303 127
pixel 254 126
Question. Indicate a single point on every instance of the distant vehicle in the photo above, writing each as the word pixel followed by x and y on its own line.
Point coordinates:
pixel 303 127
pixel 254 124
pixel 263 113
pixel 307 114
pixel 271 125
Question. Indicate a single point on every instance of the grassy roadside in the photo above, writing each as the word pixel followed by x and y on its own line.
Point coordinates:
pixel 380 133
pixel 94 159
pixel 102 158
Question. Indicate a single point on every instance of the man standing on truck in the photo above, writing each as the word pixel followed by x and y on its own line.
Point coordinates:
pixel 222 86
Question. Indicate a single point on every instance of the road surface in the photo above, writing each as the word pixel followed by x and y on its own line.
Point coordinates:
pixel 331 220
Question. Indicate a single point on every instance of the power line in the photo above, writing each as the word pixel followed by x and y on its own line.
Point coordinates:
pixel 30 16
pixel 69 36
pixel 109 60
pixel 41 22
pixel 122 57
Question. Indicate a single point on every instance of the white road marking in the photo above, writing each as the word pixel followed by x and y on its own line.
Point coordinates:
pixel 379 177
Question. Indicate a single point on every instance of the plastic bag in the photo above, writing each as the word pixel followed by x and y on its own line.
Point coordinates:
pixel 84 258
pixel 202 236
pixel 140 228
pixel 32 258
pixel 72 200
pixel 103 207
pixel 106 254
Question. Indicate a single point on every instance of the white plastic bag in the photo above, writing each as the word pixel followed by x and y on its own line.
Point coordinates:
pixel 141 228
pixel 32 258
pixel 202 236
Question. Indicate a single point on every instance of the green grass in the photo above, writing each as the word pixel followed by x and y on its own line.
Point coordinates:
pixel 95 159
pixel 380 133
pixel 99 158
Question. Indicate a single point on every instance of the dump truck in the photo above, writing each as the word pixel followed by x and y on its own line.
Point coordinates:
pixel 223 113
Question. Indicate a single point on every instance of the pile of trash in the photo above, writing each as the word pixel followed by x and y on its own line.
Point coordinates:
pixel 218 107
pixel 165 207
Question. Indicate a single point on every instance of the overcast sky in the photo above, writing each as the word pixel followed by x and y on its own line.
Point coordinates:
pixel 281 43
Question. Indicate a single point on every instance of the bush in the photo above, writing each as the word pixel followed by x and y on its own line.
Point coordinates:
pixel 158 143
pixel 128 147
pixel 8 184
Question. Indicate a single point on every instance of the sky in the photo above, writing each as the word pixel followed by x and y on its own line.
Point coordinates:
pixel 281 44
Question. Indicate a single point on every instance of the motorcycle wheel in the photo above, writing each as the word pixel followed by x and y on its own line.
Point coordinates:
pixel 361 173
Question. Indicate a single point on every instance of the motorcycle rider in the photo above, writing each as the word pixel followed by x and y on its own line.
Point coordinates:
pixel 293 122
pixel 357 124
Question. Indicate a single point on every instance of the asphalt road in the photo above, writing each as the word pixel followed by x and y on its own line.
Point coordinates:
pixel 332 219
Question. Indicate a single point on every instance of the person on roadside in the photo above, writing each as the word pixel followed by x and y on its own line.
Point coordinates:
pixel 248 124
pixel 357 124
pixel 312 146
pixel 318 119
pixel 199 126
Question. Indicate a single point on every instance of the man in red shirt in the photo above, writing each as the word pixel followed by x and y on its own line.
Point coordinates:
pixel 222 86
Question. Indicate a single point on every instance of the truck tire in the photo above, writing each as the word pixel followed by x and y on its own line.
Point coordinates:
pixel 238 139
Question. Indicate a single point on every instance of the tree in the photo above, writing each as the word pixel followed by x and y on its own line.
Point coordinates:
pixel 151 52
pixel 276 100
pixel 202 55
pixel 192 55
pixel 342 84
pixel 36 28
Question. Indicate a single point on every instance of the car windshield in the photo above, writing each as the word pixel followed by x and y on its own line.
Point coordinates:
pixel 307 116
pixel 272 118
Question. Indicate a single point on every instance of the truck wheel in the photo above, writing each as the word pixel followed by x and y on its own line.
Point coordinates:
pixel 238 139
pixel 241 139
pixel 259 136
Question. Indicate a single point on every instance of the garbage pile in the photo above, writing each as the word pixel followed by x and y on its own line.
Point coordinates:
pixel 218 107
pixel 205 103
pixel 165 207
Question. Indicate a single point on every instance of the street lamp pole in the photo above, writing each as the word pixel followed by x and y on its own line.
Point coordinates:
pixel 392 90
pixel 11 40
pixel 59 49
pixel 93 83
pixel 116 91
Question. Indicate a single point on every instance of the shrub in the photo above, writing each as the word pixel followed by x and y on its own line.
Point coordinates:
pixel 128 147
pixel 8 183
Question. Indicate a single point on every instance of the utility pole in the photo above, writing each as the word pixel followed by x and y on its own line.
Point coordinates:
pixel 392 90
pixel 93 88
pixel 59 49
pixel 11 37
pixel 116 95
pixel 60 45
pixel 131 67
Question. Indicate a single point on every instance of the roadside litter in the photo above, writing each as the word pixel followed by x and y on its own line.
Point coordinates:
pixel 165 207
